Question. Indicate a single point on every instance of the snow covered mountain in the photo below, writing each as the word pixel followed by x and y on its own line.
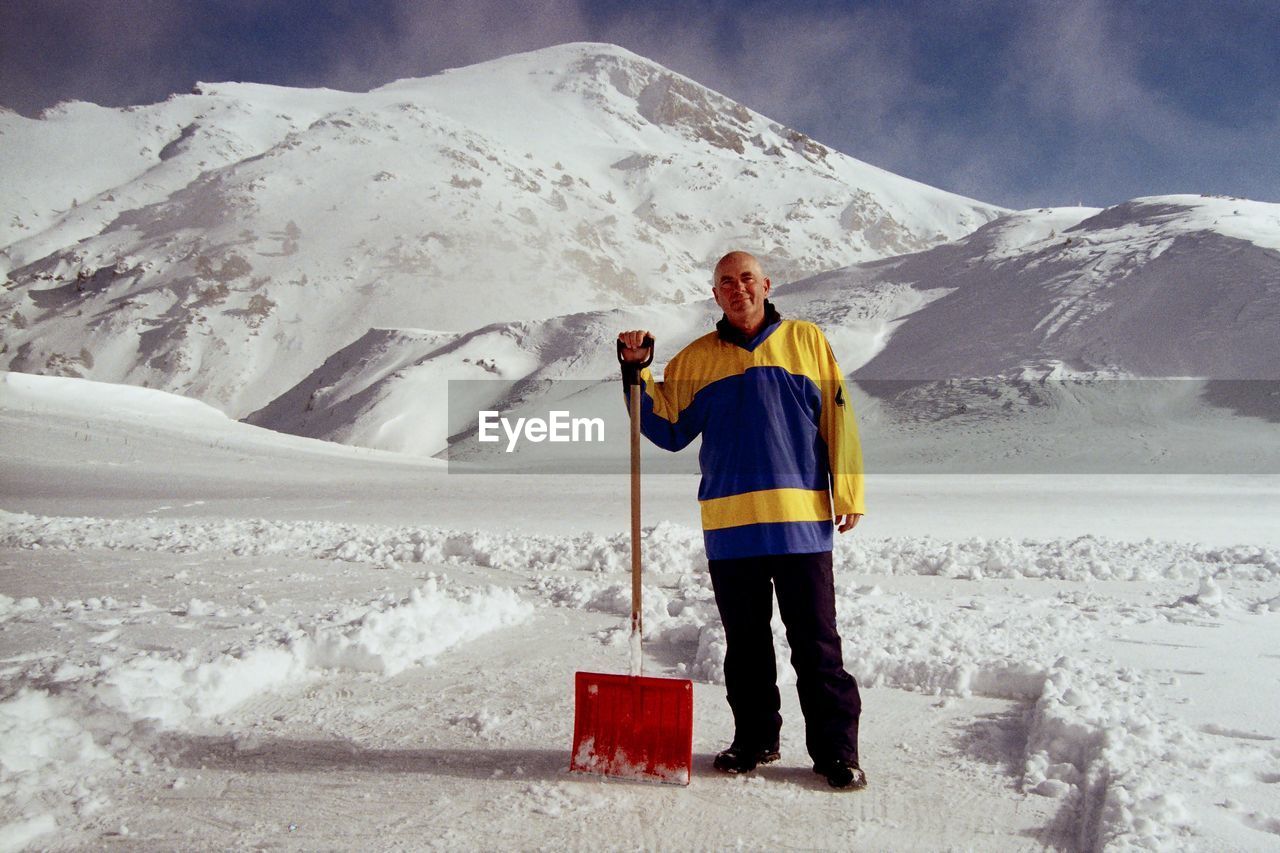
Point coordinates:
pixel 947 346
pixel 1170 286
pixel 223 244
pixel 1072 339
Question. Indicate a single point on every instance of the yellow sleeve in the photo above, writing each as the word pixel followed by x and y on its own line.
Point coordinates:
pixel 839 430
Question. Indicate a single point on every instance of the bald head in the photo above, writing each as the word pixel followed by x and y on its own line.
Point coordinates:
pixel 736 258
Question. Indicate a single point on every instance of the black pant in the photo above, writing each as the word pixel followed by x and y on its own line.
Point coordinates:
pixel 806 599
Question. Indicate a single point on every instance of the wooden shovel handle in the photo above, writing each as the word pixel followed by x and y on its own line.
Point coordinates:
pixel 634 405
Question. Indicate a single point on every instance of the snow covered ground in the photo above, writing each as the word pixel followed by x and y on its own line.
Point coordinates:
pixel 216 636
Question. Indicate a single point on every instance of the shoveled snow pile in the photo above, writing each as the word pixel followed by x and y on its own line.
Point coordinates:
pixel 67 719
pixel 1015 623
pixel 384 637
pixel 669 549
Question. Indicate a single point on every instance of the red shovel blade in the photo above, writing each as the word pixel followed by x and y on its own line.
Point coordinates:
pixel 633 727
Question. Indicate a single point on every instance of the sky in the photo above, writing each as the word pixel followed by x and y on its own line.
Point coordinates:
pixel 1022 103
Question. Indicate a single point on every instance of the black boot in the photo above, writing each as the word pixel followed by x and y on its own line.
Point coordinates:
pixel 739 759
pixel 842 774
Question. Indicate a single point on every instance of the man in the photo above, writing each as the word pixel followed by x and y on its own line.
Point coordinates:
pixel 780 458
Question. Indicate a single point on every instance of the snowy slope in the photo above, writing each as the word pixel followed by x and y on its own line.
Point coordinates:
pixel 106 416
pixel 1002 351
pixel 223 244
pixel 391 389
pixel 1133 336
pixel 1156 287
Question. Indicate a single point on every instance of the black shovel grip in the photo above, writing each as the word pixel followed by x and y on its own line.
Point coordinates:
pixel 631 369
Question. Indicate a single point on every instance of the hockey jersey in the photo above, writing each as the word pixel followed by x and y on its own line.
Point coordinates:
pixel 780 452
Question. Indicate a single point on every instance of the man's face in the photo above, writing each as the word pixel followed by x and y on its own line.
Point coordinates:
pixel 740 289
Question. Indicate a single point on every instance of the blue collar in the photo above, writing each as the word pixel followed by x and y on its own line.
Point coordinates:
pixel 731 334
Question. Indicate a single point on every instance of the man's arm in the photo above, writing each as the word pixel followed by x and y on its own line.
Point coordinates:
pixel 660 408
pixel 839 430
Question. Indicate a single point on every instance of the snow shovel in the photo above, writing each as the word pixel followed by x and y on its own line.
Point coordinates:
pixel 634 726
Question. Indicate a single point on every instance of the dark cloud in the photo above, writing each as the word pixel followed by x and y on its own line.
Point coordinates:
pixel 1092 94
pixel 116 52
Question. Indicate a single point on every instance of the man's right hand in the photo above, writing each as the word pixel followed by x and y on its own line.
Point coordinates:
pixel 632 343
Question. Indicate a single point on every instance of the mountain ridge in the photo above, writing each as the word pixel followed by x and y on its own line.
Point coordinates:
pixel 251 238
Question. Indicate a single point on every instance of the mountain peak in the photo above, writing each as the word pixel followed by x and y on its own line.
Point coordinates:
pixel 611 82
pixel 549 62
pixel 557 57
pixel 584 49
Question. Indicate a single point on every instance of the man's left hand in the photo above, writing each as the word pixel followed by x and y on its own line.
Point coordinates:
pixel 845 523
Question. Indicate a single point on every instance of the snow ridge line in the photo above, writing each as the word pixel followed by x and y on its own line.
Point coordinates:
pixel 669 549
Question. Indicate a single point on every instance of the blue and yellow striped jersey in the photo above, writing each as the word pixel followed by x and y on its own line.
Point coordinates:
pixel 780 452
